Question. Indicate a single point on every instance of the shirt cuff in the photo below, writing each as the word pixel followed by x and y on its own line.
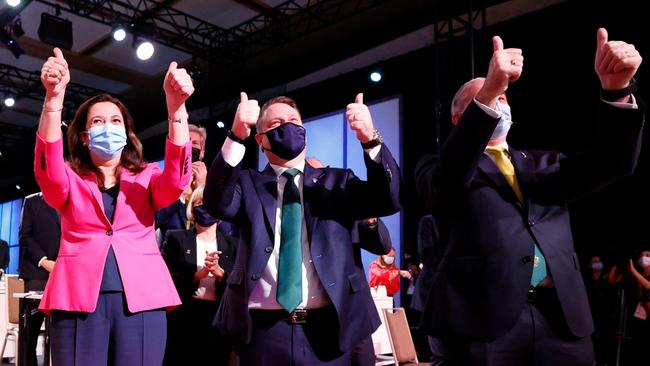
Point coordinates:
pixel 373 152
pixel 631 105
pixel 491 112
pixel 41 261
pixel 232 152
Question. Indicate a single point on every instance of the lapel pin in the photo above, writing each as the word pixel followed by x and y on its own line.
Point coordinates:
pixel 189 251
pixel 314 180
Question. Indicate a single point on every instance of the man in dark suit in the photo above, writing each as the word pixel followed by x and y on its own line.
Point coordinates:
pixel 39 236
pixel 295 295
pixel 4 256
pixel 509 285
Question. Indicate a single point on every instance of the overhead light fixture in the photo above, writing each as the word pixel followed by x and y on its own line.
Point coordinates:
pixel 376 76
pixel 55 31
pixel 11 43
pixel 119 33
pixel 9 102
pixel 18 187
pixel 144 50
pixel 13 3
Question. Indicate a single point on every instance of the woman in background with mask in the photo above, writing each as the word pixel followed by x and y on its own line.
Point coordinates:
pixel 639 325
pixel 110 287
pixel 383 272
pixel 199 261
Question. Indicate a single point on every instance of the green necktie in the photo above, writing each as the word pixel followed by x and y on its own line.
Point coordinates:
pixel 290 262
pixel 505 166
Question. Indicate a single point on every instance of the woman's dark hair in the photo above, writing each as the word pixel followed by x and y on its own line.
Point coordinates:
pixel 132 157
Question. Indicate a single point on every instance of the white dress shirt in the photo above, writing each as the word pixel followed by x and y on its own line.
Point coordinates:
pixel 206 290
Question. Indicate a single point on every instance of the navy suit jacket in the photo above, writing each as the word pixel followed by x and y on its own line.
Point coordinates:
pixel 333 200
pixel 179 253
pixel 39 236
pixel 484 275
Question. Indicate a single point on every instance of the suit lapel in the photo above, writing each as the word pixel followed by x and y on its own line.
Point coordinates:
pixel 492 172
pixel 126 178
pixel 311 178
pixel 524 168
pixel 266 186
pixel 91 182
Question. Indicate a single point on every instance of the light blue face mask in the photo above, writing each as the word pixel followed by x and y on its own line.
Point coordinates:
pixel 503 126
pixel 107 141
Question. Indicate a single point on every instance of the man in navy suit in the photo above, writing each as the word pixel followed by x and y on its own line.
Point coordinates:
pixel 39 236
pixel 508 288
pixel 297 299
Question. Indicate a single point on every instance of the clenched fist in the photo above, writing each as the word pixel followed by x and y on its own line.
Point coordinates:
pixel 248 111
pixel 178 86
pixel 55 75
pixel 616 62
pixel 360 119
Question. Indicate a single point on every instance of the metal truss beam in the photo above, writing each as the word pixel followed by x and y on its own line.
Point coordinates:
pixel 27 84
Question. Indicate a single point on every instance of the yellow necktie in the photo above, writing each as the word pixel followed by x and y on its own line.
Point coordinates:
pixel 505 166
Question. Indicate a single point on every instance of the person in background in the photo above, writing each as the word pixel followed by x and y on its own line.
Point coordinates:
pixel 384 272
pixel 110 287
pixel 173 217
pixel 639 323
pixel 39 236
pixel 4 257
pixel 199 261
pixel 603 301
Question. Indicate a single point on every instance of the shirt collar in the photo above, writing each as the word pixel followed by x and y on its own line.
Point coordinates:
pixel 281 169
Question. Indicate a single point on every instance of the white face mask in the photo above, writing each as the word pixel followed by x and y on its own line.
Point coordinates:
pixel 644 262
pixel 388 259
pixel 597 266
pixel 503 126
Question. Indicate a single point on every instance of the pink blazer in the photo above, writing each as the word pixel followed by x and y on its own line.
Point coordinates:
pixel 86 233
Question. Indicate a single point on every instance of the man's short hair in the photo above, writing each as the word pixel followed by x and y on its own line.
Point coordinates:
pixel 279 99
pixel 203 134
pixel 461 99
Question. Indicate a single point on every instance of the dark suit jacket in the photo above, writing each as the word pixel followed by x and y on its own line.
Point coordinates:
pixel 172 217
pixel 489 236
pixel 4 254
pixel 179 252
pixel 39 236
pixel 430 250
pixel 333 200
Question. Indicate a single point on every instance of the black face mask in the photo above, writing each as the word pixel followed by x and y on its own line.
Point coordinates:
pixel 202 217
pixel 287 140
pixel 196 153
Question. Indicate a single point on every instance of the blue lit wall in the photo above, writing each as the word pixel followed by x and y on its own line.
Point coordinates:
pixel 9 222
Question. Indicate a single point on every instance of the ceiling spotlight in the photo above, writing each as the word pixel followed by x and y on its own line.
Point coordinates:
pixel 13 3
pixel 17 187
pixel 220 124
pixel 145 50
pixel 375 76
pixel 9 101
pixel 119 33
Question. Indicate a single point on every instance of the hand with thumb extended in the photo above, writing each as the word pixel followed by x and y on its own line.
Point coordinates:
pixel 55 74
pixel 506 66
pixel 178 86
pixel 360 120
pixel 248 111
pixel 616 62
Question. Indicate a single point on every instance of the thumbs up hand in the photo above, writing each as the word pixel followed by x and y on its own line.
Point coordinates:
pixel 505 67
pixel 360 120
pixel 616 62
pixel 178 86
pixel 248 111
pixel 55 75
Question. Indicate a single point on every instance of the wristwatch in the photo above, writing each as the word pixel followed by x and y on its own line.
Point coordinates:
pixel 376 140
pixel 614 95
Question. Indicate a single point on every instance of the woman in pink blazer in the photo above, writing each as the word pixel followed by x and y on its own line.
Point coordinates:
pixel 109 288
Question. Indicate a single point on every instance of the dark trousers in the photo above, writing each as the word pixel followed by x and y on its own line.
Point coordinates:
pixel 33 322
pixel 278 342
pixel 540 337
pixel 191 338
pixel 108 336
